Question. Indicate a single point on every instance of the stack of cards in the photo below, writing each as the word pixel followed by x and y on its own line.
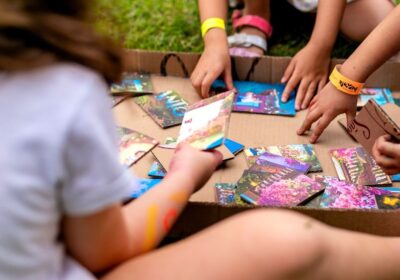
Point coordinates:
pixel 260 98
pixel 355 165
pixel 206 122
pixel 133 145
pixel 300 152
pixel 286 192
pixel 166 108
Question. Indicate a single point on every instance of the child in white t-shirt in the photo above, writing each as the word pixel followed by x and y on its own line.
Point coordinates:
pixel 61 184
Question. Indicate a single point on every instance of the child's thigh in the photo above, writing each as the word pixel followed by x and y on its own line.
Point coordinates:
pixel 266 244
pixel 362 16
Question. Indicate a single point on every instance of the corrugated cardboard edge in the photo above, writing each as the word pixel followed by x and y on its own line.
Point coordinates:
pixel 262 69
pixel 197 216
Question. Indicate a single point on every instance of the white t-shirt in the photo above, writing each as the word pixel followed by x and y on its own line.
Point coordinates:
pixel 58 156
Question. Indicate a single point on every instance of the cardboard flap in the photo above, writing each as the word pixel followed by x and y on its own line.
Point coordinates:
pixel 371 123
pixel 393 112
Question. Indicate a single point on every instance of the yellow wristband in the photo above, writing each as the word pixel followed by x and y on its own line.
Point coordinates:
pixel 345 84
pixel 212 23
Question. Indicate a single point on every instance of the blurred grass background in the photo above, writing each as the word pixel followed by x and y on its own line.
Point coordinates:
pixel 173 25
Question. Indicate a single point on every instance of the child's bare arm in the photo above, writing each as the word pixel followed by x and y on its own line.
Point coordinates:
pixel 309 67
pixel 215 59
pixel 105 239
pixel 378 47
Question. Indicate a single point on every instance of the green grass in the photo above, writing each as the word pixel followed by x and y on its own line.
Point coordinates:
pixel 173 25
pixel 152 24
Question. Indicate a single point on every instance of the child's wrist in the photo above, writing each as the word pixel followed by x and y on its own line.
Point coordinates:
pixel 216 37
pixel 184 180
pixel 344 83
pixel 321 47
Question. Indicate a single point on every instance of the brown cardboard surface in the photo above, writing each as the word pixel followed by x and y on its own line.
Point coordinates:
pixel 251 130
pixel 374 121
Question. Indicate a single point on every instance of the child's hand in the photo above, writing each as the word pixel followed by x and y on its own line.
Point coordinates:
pixel 309 70
pixel 214 61
pixel 387 155
pixel 196 166
pixel 329 103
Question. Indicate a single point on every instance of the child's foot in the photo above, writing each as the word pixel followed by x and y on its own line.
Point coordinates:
pixel 251 37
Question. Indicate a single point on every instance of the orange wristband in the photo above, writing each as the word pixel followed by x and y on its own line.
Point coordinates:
pixel 345 84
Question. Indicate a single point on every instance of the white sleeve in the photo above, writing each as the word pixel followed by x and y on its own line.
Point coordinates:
pixel 94 177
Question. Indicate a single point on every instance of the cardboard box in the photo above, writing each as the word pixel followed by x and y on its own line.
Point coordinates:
pixel 171 72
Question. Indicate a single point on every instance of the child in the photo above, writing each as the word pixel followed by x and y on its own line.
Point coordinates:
pixel 308 70
pixel 379 46
pixel 61 184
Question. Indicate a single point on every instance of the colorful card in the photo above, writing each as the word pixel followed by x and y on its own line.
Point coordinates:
pixel 388 201
pixel 374 121
pixel 314 202
pixel 355 165
pixel 233 146
pixel 266 159
pixel 395 178
pixel 206 122
pixel 133 83
pixel 157 170
pixel 166 108
pixel 301 152
pixel 143 185
pixel 257 180
pixel 133 145
pixel 226 194
pixel 341 194
pixel 382 96
pixel 261 98
pixel 285 193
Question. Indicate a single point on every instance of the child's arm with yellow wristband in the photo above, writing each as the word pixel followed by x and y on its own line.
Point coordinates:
pixel 215 59
pixel 378 47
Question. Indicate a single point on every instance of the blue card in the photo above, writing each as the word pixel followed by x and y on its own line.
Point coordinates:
pixel 395 177
pixel 143 185
pixel 233 147
pixel 259 98
pixel 157 170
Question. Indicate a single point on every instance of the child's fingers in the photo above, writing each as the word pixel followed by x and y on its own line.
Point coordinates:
pixel 309 95
pixel 300 93
pixel 312 116
pixel 388 149
pixel 322 83
pixel 217 156
pixel 322 124
pixel 288 72
pixel 228 79
pixel 290 86
pixel 197 80
pixel 209 78
pixel 386 163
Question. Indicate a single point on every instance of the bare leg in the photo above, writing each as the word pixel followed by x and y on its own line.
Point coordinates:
pixel 362 16
pixel 269 244
pixel 258 8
